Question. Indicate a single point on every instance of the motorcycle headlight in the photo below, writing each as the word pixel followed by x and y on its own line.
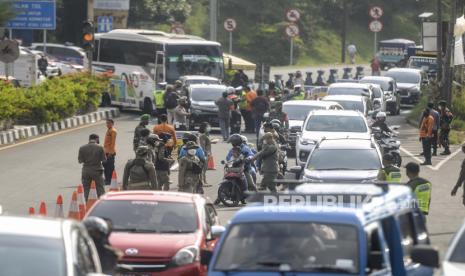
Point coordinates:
pixel 186 255
pixel 305 141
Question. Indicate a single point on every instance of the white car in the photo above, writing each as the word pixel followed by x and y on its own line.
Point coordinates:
pixel 357 103
pixel 350 88
pixel 62 52
pixel 389 87
pixel 329 124
pixel 454 261
pixel 195 79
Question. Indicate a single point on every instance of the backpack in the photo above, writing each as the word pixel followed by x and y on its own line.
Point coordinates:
pixel 171 101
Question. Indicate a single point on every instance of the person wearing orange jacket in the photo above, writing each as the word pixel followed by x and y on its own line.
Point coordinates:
pixel 250 95
pixel 426 135
pixel 164 127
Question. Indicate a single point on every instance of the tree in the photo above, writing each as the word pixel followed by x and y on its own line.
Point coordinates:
pixel 153 12
pixel 6 12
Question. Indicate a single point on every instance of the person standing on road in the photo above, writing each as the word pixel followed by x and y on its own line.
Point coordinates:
pixel 171 102
pixel 436 126
pixel 446 120
pixel 91 156
pixel 163 163
pixel 190 169
pixel 420 187
pixel 144 121
pixel 375 66
pixel 109 145
pixel 181 114
pixel 139 173
pixel 206 144
pixel 159 99
pixel 164 127
pixel 249 121
pixel 426 134
pixel 269 162
pixel 224 114
pixel 260 106
pixel 352 52
pixel 461 180
pixel 280 115
pixel 390 172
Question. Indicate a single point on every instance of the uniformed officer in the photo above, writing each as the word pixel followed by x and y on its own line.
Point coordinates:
pixel 390 172
pixel 139 173
pixel 279 114
pixel 144 121
pixel 190 170
pixel 163 163
pixel 91 157
pixel 269 162
pixel 461 180
pixel 420 187
pixel 298 93
pixel 159 99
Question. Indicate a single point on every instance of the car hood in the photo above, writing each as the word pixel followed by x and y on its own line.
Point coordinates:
pixel 355 175
pixel 152 245
pixel 318 135
pixel 295 123
pixel 401 85
pixel 204 105
pixel 449 268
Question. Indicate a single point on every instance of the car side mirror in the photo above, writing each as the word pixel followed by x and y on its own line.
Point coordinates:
pixel 425 255
pixel 205 257
pixel 375 261
pixel 217 231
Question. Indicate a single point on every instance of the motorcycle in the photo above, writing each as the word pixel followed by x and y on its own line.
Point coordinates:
pixel 230 191
pixel 388 144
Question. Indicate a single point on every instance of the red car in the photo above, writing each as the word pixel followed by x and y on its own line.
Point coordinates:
pixel 160 233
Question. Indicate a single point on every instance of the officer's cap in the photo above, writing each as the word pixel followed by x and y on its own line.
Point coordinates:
pixel 191 145
pixel 145 117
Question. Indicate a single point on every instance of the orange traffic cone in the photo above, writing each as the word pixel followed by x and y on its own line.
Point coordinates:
pixel 59 213
pixel 114 183
pixel 43 209
pixel 211 163
pixel 81 201
pixel 73 208
pixel 93 197
pixel 32 211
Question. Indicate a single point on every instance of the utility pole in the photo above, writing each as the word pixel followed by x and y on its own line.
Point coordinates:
pixel 449 54
pixel 344 31
pixel 439 75
pixel 213 20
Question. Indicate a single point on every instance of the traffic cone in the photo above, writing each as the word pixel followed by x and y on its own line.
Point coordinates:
pixel 93 197
pixel 81 201
pixel 59 213
pixel 114 183
pixel 32 211
pixel 73 208
pixel 211 163
pixel 43 209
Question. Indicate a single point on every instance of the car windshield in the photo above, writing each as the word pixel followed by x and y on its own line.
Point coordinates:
pixel 344 159
pixel 201 81
pixel 290 246
pixel 386 86
pixel 333 123
pixel 27 255
pixel 299 112
pixel 377 92
pixel 404 77
pixel 351 105
pixel 206 94
pixel 148 216
pixel 347 91
pixel 458 255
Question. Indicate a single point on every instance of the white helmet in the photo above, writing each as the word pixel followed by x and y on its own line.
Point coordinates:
pixel 244 139
pixel 381 115
pixel 230 90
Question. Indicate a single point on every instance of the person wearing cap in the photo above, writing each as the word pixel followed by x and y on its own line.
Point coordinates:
pixel 92 156
pixel 420 187
pixel 181 114
pixel 461 180
pixel 109 146
pixel 269 168
pixel 139 173
pixel 190 170
pixel 390 172
pixel 171 102
pixel 144 121
pixel 159 99
pixel 446 120
pixel 187 137
pixel 224 114
pixel 426 135
pixel 164 127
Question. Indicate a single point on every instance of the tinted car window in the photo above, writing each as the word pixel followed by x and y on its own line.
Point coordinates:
pixel 336 123
pixel 404 77
pixel 301 247
pixel 347 91
pixel 385 85
pixel 148 216
pixel 206 94
pixel 344 159
pixel 299 112
pixel 200 81
pixel 124 52
pixel 25 255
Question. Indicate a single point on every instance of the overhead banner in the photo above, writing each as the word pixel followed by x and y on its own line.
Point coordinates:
pixel 118 5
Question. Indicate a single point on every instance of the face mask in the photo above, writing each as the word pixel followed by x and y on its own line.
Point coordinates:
pixel 191 152
pixel 265 142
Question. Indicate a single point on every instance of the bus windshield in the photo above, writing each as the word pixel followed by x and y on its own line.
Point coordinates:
pixel 184 60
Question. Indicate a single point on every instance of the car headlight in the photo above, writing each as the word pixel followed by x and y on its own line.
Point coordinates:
pixel 186 255
pixel 305 141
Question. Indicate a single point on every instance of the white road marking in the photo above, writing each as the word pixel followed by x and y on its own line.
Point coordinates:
pixel 439 165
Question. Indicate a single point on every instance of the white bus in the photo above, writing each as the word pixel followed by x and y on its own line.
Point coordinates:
pixel 131 56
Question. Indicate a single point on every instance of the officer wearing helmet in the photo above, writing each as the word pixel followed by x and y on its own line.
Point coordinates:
pixel 279 114
pixel 237 141
pixel 152 142
pixel 99 230
pixel 144 121
pixel 139 173
pixel 381 122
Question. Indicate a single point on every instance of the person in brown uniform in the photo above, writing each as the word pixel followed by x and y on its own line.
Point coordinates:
pixel 91 157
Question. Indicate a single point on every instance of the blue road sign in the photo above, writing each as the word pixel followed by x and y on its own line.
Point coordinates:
pixel 105 24
pixel 33 15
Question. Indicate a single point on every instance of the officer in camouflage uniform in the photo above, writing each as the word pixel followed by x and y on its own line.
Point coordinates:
pixel 139 173
pixel 190 170
pixel 269 162
pixel 144 121
pixel 278 114
pixel 163 163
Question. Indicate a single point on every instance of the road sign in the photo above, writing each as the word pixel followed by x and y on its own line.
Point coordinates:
pixel 33 15
pixel 9 50
pixel 105 24
pixel 293 15
pixel 376 12
pixel 230 24
pixel 292 30
pixel 375 26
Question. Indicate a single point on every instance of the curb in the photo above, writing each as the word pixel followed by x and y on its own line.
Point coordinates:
pixel 25 132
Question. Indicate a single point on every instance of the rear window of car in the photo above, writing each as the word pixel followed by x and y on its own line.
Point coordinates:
pixel 299 112
pixel 344 159
pixel 347 91
pixel 148 216
pixel 331 123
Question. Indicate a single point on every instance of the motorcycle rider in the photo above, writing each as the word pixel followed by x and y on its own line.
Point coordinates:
pixel 390 172
pixel 237 142
pixel 278 114
pixel 99 231
pixel 381 122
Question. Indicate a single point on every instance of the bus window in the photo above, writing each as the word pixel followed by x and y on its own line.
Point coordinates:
pixel 128 52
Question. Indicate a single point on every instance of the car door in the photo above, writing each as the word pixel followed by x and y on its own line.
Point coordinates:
pixel 211 219
pixel 378 251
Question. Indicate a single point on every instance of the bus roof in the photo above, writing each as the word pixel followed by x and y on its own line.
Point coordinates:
pixel 154 36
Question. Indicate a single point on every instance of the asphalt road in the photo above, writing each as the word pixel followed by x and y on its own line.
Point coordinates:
pixel 40 169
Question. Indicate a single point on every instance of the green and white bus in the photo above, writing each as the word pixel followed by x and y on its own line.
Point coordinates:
pixel 140 59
